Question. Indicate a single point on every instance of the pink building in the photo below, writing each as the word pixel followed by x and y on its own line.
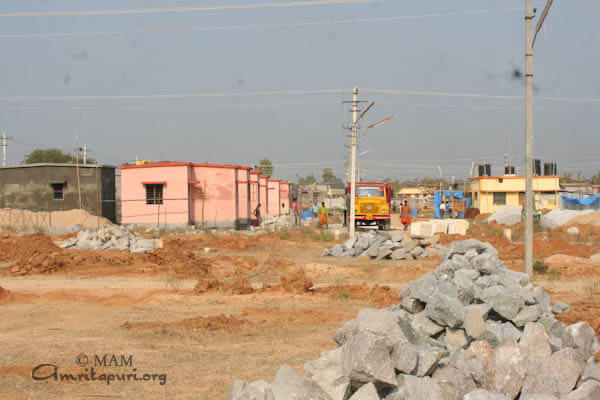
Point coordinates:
pixel 273 197
pixel 284 197
pixel 184 193
pixel 263 194
pixel 254 190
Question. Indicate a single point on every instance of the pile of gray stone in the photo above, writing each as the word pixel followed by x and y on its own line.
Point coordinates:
pixel 112 237
pixel 381 245
pixel 472 329
pixel 271 223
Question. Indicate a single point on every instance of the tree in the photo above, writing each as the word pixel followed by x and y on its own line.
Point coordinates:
pixel 265 167
pixel 308 180
pixel 328 176
pixel 48 156
pixel 330 179
pixel 54 156
pixel 596 179
pixel 566 178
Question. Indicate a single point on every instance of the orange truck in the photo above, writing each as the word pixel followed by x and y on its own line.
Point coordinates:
pixel 372 204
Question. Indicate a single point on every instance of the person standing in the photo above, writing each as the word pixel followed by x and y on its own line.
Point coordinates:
pixel 257 214
pixel 449 209
pixel 405 215
pixel 442 209
pixel 323 216
pixel 315 211
pixel 345 214
pixel 296 212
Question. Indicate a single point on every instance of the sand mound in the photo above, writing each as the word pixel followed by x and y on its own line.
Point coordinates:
pixel 4 294
pixel 32 253
pixel 296 282
pixel 592 218
pixel 237 286
pixel 55 221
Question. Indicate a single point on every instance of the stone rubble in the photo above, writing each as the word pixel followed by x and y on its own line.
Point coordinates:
pixel 394 245
pixel 112 237
pixel 472 329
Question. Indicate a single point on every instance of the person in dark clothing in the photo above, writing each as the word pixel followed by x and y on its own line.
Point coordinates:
pixel 257 214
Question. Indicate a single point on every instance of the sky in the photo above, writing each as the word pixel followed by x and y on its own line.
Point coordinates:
pixel 245 83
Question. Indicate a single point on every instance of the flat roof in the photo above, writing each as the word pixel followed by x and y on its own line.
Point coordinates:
pixel 513 177
pixel 181 164
pixel 59 165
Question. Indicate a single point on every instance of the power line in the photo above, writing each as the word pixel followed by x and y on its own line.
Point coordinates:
pixel 285 92
pixel 80 13
pixel 253 26
pixel 169 96
pixel 480 96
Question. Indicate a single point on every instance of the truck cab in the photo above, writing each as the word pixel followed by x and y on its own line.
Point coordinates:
pixel 372 204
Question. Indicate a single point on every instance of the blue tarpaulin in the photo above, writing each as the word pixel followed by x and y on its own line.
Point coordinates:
pixel 437 199
pixel 584 201
pixel 306 214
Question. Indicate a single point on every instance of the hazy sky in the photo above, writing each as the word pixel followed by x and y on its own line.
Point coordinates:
pixel 300 132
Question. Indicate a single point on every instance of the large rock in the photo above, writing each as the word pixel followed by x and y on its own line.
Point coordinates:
pixel 481 394
pixel 416 388
pixel 428 359
pixel 581 336
pixel 258 390
pixel 381 322
pixel 474 323
pixel 366 392
pixel 334 382
pixel 455 339
pixel 527 314
pixel 535 343
pixel 421 323
pixel 505 302
pixel 588 391
pixel 366 358
pixel 454 383
pixel 289 384
pixel 404 357
pixel 505 372
pixel 445 311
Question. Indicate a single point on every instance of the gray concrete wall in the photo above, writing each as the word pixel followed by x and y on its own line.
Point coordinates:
pixel 29 188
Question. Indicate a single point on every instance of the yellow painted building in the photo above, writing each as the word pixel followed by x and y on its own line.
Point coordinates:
pixel 490 193
pixel 411 192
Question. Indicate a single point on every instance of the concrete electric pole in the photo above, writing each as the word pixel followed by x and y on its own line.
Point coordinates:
pixel 4 146
pixel 528 139
pixel 353 141
pixel 529 199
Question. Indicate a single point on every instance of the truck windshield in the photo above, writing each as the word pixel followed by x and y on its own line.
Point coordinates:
pixel 370 192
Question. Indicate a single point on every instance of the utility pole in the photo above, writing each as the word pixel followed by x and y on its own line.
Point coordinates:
pixel 529 41
pixel 528 139
pixel 4 146
pixel 353 141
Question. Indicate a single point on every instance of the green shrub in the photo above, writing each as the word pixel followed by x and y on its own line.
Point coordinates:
pixel 540 267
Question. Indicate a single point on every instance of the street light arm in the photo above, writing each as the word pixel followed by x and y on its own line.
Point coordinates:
pixel 541 21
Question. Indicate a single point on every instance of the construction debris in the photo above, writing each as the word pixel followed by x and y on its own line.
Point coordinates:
pixel 112 237
pixel 507 215
pixel 472 329
pixel 380 245
pixel 432 227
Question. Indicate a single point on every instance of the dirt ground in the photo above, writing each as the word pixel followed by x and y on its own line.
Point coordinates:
pixel 197 320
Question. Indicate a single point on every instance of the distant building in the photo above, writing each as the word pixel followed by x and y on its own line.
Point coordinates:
pixel 411 193
pixel 58 187
pixel 582 188
pixel 310 194
pixel 490 193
